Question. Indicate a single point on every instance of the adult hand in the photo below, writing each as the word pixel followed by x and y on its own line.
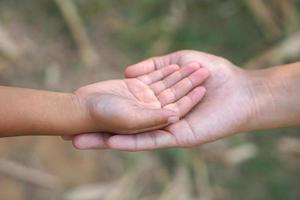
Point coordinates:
pixel 227 107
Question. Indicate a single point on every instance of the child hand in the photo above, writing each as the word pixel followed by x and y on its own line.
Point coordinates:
pixel 148 102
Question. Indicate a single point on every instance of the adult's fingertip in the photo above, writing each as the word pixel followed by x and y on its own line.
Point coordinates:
pixel 129 73
pixel 123 143
pixel 79 144
pixel 139 69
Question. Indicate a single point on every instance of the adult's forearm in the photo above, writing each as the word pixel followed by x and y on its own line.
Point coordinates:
pixel 34 112
pixel 276 97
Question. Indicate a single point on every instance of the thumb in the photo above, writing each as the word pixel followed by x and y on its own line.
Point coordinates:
pixel 148 119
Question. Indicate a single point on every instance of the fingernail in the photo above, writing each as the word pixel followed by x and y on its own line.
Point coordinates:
pixel 173 119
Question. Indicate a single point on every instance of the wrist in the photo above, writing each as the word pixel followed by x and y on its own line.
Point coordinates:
pixel 81 106
pixel 72 117
pixel 261 89
pixel 274 97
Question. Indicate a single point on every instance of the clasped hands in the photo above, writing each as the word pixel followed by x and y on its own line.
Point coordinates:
pixel 177 100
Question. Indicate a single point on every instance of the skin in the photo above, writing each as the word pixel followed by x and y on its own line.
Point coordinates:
pixel 236 101
pixel 120 106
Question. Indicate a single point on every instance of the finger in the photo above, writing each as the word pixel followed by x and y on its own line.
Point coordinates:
pixel 142 141
pixel 147 66
pixel 184 86
pixel 149 119
pixel 91 141
pixel 186 103
pixel 154 63
pixel 170 80
pixel 158 74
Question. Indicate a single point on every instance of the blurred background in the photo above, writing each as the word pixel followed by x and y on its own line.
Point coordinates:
pixel 63 44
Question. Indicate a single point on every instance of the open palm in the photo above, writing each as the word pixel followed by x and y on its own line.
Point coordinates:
pixel 225 109
pixel 147 102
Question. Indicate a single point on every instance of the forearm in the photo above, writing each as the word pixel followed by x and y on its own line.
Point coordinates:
pixel 276 97
pixel 34 112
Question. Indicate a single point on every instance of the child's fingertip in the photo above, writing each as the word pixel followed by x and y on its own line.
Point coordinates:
pixel 170 113
pixel 173 119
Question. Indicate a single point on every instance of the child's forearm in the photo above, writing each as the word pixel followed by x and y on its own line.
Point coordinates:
pixel 277 97
pixel 34 112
